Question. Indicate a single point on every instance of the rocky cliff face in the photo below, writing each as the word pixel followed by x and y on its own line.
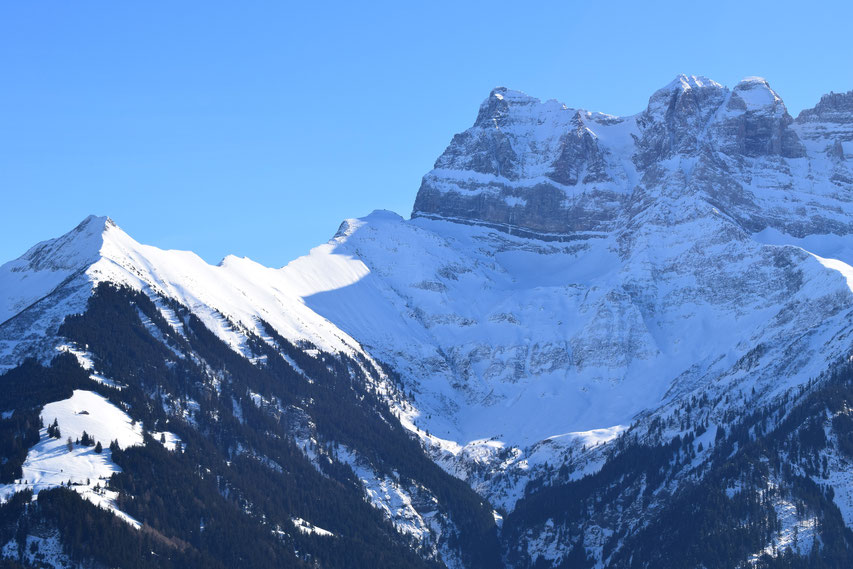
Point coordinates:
pixel 568 272
pixel 545 169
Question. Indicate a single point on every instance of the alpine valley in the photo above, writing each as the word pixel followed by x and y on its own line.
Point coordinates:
pixel 599 341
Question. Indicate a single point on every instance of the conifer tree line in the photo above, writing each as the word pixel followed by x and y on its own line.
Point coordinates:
pixel 215 500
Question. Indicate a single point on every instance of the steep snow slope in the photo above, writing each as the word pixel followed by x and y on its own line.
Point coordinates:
pixel 522 340
pixel 48 265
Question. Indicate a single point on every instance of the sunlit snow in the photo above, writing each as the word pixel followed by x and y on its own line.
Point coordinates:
pixel 50 463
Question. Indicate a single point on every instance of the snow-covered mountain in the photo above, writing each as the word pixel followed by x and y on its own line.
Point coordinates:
pixel 570 285
pixel 98 251
pixel 699 245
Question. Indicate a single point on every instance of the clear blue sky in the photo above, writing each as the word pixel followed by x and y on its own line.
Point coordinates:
pixel 255 127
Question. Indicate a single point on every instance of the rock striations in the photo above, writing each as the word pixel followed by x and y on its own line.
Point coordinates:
pixel 560 173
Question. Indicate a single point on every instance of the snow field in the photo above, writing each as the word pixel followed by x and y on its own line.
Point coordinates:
pixel 50 463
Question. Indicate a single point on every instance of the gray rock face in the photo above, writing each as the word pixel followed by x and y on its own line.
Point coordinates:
pixel 542 169
pixel 675 117
pixel 527 166
pixel 754 122
pixel 832 108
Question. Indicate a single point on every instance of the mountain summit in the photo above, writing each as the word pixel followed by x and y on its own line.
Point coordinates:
pixel 555 172
pixel 47 265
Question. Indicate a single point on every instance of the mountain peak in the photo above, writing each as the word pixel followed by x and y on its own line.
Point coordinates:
pixel 680 86
pixel 684 96
pixel 496 108
pixel 78 247
pixel 511 95
pixel 50 263
pixel 753 80
pixel 537 168
pixel 686 82
pixel 92 220
pixel 756 93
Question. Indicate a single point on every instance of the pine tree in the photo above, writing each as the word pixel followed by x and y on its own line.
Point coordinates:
pixel 53 430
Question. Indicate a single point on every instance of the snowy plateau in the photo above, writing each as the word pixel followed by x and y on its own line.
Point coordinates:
pixel 595 322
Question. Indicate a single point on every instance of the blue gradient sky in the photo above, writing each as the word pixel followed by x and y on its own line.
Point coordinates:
pixel 254 127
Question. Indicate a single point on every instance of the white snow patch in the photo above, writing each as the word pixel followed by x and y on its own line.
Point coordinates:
pixel 798 534
pixel 106 381
pixel 310 529
pixel 594 437
pixel 50 463
pixel 169 440
pixel 388 496
pixel 39 551
pixel 756 93
pixel 84 358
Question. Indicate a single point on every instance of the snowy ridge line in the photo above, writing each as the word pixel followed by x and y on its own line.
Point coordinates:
pixel 109 255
